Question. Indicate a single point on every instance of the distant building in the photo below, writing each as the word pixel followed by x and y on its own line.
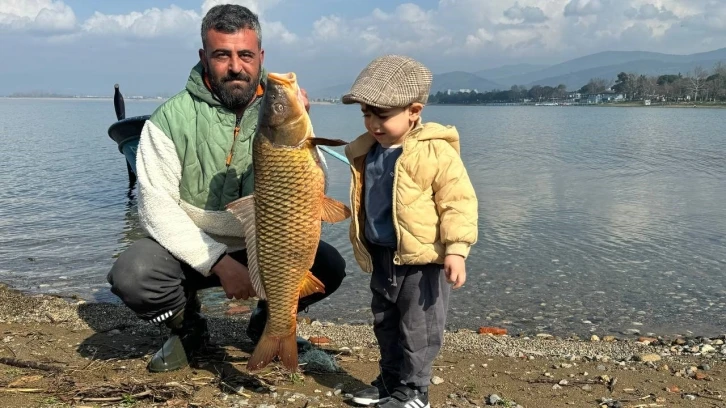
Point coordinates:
pixel 456 91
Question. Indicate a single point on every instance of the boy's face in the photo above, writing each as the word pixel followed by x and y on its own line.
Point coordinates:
pixel 389 126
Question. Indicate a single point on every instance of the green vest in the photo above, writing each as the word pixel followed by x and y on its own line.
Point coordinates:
pixel 202 131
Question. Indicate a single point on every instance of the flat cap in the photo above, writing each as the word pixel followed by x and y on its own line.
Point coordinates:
pixel 391 81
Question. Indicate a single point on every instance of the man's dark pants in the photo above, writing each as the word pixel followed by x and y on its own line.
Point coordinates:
pixel 155 285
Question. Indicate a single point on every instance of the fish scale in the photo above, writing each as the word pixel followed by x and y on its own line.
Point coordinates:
pixel 295 196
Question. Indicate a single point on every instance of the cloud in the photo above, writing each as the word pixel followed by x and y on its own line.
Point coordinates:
pixel 584 7
pixel 256 6
pixel 407 29
pixel 41 16
pixel 526 14
pixel 650 12
pixel 151 23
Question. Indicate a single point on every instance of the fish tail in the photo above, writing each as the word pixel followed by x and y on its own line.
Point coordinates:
pixel 269 347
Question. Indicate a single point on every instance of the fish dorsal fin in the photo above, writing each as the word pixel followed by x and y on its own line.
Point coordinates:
pixel 319 141
pixel 244 210
pixel 334 210
pixel 310 285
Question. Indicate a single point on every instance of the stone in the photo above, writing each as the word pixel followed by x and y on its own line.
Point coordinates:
pixel 319 340
pixel 493 399
pixel 707 348
pixel 435 380
pixel 609 339
pixel 495 331
pixel 649 357
pixel 594 338
pixel 234 310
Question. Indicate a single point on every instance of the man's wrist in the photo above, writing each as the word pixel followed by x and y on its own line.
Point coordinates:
pixel 214 265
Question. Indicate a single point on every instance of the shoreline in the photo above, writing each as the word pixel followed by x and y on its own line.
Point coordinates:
pixel 90 353
pixel 216 304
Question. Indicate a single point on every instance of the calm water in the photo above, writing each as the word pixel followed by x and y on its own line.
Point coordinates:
pixel 591 219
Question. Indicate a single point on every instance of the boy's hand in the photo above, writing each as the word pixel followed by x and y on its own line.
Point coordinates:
pixel 455 270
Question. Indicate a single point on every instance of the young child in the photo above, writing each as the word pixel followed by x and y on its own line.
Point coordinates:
pixel 414 220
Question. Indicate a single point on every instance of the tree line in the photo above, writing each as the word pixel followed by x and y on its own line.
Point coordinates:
pixel 697 85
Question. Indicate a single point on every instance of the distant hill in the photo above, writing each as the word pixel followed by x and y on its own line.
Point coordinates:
pixel 577 72
pixel 494 74
pixel 441 82
pixel 574 73
pixel 461 80
pixel 577 79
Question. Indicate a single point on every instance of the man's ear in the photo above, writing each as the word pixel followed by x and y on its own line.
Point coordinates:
pixel 203 59
pixel 262 56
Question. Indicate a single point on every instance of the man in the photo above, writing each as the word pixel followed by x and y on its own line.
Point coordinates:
pixel 194 157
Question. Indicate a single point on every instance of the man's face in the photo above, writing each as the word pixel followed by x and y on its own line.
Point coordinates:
pixel 233 63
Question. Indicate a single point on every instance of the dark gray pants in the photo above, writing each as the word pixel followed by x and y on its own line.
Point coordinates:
pixel 152 283
pixel 409 310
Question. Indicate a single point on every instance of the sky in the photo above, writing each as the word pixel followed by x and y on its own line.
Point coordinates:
pixel 85 46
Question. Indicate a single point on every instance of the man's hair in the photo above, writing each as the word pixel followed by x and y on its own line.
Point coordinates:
pixel 230 18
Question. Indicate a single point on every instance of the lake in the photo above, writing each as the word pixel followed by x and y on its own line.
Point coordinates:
pixel 605 220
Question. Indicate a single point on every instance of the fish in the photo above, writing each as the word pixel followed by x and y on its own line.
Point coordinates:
pixel 282 218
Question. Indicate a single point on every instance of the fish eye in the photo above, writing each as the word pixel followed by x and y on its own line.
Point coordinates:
pixel 278 107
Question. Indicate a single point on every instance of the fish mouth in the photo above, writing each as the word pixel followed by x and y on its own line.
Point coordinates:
pixel 288 79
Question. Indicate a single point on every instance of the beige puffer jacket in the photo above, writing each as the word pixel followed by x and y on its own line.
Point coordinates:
pixel 435 208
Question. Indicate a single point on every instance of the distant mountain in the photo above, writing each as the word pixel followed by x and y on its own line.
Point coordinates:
pixel 577 72
pixel 574 73
pixel 461 80
pixel 334 91
pixel 577 79
pixel 494 74
pixel 451 80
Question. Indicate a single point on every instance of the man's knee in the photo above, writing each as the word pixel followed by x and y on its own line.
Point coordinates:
pixel 329 266
pixel 131 271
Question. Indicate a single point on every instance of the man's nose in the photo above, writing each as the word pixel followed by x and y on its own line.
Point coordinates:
pixel 235 64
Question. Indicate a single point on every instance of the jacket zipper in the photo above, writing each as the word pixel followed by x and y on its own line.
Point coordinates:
pixel 359 240
pixel 234 140
pixel 396 258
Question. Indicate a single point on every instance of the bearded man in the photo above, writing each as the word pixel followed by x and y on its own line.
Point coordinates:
pixel 195 157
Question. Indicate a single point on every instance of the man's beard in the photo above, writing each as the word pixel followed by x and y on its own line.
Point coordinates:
pixel 234 95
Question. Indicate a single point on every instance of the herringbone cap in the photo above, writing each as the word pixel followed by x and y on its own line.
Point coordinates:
pixel 391 81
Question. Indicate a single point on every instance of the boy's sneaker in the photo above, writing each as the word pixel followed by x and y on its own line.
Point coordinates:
pixel 407 397
pixel 371 395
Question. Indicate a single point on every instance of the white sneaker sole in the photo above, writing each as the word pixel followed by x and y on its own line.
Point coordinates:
pixel 366 401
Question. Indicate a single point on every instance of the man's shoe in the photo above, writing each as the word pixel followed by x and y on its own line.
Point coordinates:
pixel 405 396
pixel 189 333
pixel 371 395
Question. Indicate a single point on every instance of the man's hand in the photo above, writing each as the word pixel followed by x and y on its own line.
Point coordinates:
pixel 306 102
pixel 455 270
pixel 235 278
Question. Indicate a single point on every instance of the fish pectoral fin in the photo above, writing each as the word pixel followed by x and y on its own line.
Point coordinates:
pixel 244 210
pixel 334 210
pixel 320 141
pixel 310 285
pixel 242 207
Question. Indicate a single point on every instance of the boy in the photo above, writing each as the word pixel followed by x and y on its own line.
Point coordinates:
pixel 414 220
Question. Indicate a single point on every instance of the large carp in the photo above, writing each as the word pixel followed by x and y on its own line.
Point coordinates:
pixel 282 218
